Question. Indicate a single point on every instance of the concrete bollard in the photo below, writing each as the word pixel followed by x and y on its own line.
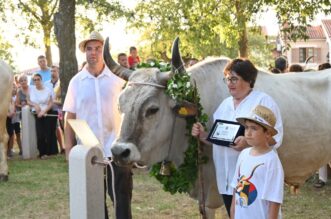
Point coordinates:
pixel 29 136
pixel 86 183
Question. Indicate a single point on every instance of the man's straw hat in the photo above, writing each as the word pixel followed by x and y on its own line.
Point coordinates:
pixel 264 117
pixel 93 36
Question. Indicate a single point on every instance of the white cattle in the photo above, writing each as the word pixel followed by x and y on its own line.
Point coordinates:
pixel 146 133
pixel 6 81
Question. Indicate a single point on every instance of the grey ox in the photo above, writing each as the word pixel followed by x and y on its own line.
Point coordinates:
pixel 6 85
pixel 147 117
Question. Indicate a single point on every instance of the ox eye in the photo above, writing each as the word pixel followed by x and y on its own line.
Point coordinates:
pixel 151 111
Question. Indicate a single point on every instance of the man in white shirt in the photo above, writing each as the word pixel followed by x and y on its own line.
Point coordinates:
pixel 92 96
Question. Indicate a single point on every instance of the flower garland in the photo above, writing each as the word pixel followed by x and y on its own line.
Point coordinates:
pixel 183 178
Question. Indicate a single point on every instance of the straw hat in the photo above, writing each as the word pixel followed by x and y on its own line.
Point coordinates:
pixel 93 36
pixel 264 117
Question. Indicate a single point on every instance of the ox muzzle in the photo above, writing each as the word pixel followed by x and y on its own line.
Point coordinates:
pixel 125 153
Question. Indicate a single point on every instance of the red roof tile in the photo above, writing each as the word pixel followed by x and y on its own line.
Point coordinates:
pixel 315 32
pixel 327 26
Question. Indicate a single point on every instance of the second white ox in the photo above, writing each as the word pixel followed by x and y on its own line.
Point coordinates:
pixel 304 100
pixel 6 81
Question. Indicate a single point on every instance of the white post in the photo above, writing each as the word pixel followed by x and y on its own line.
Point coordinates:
pixel 29 136
pixel 86 183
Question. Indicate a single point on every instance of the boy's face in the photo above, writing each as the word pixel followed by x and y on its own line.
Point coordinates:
pixel 255 134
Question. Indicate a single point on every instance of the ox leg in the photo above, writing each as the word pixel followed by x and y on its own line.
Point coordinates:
pixel 3 159
pixel 210 213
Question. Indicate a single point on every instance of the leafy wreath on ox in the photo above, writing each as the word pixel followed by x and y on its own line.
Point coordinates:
pixel 180 173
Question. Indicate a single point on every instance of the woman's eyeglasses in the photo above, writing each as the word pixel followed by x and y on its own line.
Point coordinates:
pixel 232 80
pixel 36 79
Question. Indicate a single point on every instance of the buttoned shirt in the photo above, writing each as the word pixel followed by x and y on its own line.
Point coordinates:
pixel 94 99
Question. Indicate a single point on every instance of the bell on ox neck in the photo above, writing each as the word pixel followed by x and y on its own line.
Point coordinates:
pixel 165 168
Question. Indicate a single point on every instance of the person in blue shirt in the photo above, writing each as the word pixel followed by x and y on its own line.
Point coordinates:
pixel 44 70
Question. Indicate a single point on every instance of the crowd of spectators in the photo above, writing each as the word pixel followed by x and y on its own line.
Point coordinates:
pixel 43 96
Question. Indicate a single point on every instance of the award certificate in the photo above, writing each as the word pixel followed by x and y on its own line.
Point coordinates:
pixel 225 132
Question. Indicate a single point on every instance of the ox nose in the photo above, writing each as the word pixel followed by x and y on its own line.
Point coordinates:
pixel 120 153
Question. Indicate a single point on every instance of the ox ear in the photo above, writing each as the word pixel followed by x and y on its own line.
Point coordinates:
pixel 185 109
pixel 118 70
pixel 177 64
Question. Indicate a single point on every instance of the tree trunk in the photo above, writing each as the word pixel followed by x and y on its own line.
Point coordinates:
pixel 241 22
pixel 64 27
pixel 47 44
pixel 243 43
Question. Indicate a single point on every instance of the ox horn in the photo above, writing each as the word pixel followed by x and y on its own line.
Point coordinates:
pixel 177 64
pixel 118 70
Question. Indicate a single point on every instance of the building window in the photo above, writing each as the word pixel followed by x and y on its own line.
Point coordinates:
pixel 305 53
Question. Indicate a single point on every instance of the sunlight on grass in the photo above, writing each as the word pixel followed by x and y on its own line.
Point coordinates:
pixel 39 189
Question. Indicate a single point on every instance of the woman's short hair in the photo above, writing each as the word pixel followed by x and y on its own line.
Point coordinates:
pixel 244 68
pixel 22 76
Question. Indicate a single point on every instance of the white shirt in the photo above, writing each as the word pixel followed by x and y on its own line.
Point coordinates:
pixel 52 87
pixel 40 97
pixel 225 158
pixel 94 99
pixel 258 181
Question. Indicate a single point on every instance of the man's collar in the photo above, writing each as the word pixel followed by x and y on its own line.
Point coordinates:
pixel 87 74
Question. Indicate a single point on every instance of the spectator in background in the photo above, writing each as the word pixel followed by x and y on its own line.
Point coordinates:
pixel 54 86
pixel 281 64
pixel 323 171
pixel 192 62
pixel 295 68
pixel 122 59
pixel 40 99
pixel 16 77
pixel 323 66
pixel 133 59
pixel 9 124
pixel 44 71
pixel 22 93
pixel 275 71
pixel 275 53
pixel 16 122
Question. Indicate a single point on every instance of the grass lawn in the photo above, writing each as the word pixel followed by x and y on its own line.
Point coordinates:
pixel 39 189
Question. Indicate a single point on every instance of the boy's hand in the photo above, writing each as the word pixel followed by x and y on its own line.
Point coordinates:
pixel 239 144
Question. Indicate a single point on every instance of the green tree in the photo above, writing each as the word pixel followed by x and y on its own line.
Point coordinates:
pixel 39 14
pixel 5 51
pixel 220 26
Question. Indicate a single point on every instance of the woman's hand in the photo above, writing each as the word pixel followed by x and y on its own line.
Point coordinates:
pixel 41 113
pixel 240 143
pixel 197 129
pixel 37 108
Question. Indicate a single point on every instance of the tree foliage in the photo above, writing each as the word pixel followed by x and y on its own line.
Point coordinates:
pixel 5 51
pixel 218 27
pixel 39 16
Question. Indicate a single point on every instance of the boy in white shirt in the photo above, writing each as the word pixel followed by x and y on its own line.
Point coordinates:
pixel 259 177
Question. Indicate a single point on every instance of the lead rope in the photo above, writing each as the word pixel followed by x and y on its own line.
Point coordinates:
pixel 108 163
pixel 202 205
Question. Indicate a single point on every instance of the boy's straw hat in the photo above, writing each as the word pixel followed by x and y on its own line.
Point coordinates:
pixel 264 117
pixel 93 36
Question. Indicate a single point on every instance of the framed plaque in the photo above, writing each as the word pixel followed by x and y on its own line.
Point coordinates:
pixel 224 132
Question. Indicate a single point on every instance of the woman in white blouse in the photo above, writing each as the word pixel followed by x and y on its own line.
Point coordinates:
pixel 239 76
pixel 40 99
